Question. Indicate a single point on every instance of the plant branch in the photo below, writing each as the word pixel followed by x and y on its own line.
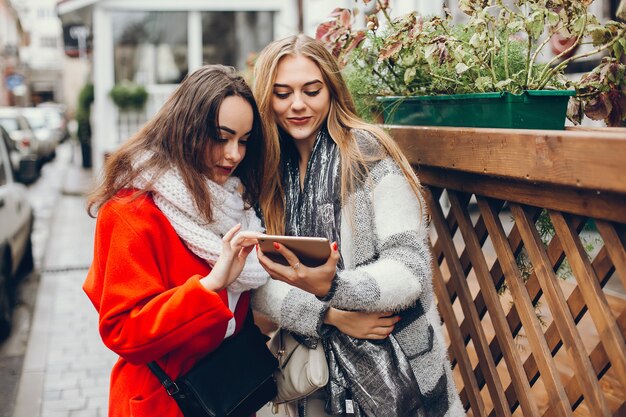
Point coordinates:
pixel 384 10
pixel 564 63
pixel 564 53
pixel 383 79
pixel 441 77
pixel 506 54
pixel 530 45
pixel 531 64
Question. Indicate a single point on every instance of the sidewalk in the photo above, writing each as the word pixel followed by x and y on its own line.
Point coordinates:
pixel 66 368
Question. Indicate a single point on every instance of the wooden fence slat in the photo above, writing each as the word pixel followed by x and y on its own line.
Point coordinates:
pixel 600 365
pixel 456 341
pixel 558 306
pixel 496 313
pixel 576 305
pixel 556 255
pixel 538 345
pixel 615 247
pixel 463 292
pixel 592 293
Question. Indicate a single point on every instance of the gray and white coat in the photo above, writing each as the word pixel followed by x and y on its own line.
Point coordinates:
pixel 387 267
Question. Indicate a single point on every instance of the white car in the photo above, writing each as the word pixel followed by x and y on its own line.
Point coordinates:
pixel 47 137
pixel 16 226
pixel 26 142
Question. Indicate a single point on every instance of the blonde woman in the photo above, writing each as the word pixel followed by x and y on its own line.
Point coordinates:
pixel 372 303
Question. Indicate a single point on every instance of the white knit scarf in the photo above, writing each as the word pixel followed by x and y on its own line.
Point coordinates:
pixel 205 239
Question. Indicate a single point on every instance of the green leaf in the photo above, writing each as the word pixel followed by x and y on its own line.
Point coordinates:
pixel 460 68
pixel 409 60
pixel 618 49
pixel 475 40
pixel 483 83
pixel 578 24
pixel 536 24
pixel 430 49
pixel 409 75
pixel 502 84
pixel 599 34
pixel 552 18
pixel 515 26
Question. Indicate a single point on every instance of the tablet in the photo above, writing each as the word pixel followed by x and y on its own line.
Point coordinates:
pixel 311 251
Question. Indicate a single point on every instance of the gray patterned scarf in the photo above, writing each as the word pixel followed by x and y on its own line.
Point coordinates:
pixel 367 377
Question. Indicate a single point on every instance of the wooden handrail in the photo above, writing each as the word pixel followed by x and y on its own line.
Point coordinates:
pixel 588 159
pixel 490 194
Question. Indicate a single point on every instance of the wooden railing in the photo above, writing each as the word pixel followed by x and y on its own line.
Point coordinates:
pixel 528 231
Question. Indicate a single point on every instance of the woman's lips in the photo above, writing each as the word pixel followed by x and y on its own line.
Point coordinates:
pixel 225 170
pixel 299 120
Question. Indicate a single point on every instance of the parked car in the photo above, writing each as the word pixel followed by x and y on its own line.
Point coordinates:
pixel 56 116
pixel 47 137
pixel 16 226
pixel 24 141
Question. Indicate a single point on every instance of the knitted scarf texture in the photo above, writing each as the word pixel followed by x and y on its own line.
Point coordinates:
pixel 205 239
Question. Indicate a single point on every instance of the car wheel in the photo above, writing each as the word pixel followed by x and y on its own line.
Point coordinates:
pixel 5 304
pixel 27 263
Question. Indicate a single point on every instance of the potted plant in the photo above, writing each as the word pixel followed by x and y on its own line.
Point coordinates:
pixel 129 96
pixel 431 71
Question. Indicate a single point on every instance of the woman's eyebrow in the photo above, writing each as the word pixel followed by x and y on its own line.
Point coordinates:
pixel 232 132
pixel 305 84
pixel 227 129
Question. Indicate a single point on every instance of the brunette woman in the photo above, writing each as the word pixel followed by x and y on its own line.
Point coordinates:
pixel 171 274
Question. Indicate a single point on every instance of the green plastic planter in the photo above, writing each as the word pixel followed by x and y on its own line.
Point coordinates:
pixel 532 109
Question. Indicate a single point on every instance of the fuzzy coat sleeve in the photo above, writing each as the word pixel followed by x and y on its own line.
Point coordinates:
pixel 290 307
pixel 384 245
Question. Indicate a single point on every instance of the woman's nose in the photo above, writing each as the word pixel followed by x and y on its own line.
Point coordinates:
pixel 298 102
pixel 232 151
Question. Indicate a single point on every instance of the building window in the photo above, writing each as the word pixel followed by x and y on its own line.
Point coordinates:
pixel 150 47
pixel 230 38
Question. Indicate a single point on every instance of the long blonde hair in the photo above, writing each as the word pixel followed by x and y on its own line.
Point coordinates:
pixel 342 118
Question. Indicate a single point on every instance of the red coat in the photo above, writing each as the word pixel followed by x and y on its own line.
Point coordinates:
pixel 144 282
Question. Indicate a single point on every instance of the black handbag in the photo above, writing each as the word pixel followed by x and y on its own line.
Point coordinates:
pixel 235 380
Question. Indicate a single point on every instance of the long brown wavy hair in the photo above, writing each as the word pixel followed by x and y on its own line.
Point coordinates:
pixel 342 118
pixel 181 135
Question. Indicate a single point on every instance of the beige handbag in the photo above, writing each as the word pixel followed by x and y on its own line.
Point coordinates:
pixel 301 370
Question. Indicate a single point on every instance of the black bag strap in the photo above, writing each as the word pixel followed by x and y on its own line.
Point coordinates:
pixel 169 385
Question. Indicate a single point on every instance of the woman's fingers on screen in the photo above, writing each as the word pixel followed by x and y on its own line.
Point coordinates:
pixel 245 239
pixel 229 235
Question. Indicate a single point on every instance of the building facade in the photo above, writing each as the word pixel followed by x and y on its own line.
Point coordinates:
pixel 12 80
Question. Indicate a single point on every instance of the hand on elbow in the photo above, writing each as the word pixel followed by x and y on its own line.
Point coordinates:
pixel 361 324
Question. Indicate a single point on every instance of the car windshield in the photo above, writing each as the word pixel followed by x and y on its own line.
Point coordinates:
pixel 36 119
pixel 9 123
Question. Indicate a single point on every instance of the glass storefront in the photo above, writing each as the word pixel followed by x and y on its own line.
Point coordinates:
pixel 230 38
pixel 150 47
